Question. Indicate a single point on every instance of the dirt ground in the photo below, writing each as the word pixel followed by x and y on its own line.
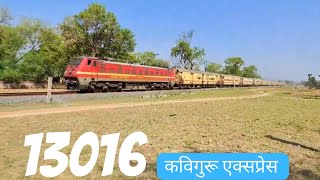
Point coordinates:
pixel 264 120
pixel 31 112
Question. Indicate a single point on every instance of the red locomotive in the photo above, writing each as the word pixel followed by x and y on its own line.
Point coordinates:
pixel 90 73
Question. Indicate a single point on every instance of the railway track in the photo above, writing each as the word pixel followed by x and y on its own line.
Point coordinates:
pixel 77 92
pixel 36 93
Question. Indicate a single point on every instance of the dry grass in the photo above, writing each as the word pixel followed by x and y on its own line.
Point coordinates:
pixel 211 126
pixel 303 93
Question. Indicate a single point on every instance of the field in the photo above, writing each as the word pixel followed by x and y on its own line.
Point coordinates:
pixel 243 120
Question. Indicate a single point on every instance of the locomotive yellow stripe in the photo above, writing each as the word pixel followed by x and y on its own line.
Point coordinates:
pixel 126 75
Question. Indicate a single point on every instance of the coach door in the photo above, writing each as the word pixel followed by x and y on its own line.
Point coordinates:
pixel 202 79
pixel 191 78
pixel 94 70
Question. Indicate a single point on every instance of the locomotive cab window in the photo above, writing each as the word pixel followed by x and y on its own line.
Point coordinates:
pixel 75 61
pixel 89 62
pixel 94 63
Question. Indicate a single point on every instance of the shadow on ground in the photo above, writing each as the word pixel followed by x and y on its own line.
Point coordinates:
pixel 292 143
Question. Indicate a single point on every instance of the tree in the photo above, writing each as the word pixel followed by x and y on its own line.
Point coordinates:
pixel 5 16
pixel 31 30
pixel 233 66
pixel 150 58
pixel 11 42
pixel 46 55
pixel 96 32
pixel 186 56
pixel 312 82
pixel 250 72
pixel 214 67
pixel 31 51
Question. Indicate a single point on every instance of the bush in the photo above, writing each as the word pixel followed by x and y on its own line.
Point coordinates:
pixel 10 76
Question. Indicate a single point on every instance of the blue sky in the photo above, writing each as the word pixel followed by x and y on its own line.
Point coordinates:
pixel 281 38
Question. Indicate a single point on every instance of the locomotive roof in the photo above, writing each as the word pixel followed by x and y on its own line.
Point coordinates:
pixel 112 60
pixel 87 57
pixel 195 71
pixel 139 65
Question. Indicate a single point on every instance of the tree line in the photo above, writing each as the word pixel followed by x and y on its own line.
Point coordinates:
pixel 32 50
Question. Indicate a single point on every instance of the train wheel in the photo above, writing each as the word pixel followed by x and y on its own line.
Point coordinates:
pixel 105 89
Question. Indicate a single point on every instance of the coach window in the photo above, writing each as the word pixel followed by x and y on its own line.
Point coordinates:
pixel 102 69
pixel 140 72
pixel 157 73
pixel 146 72
pixel 119 69
pixel 89 62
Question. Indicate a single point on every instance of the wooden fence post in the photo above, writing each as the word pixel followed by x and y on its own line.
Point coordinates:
pixel 49 90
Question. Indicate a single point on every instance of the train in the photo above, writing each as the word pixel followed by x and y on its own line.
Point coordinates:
pixel 94 74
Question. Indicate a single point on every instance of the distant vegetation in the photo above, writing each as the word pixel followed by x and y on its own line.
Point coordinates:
pixel 31 50
pixel 189 57
pixel 312 82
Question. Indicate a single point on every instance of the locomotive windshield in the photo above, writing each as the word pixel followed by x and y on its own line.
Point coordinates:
pixel 75 61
